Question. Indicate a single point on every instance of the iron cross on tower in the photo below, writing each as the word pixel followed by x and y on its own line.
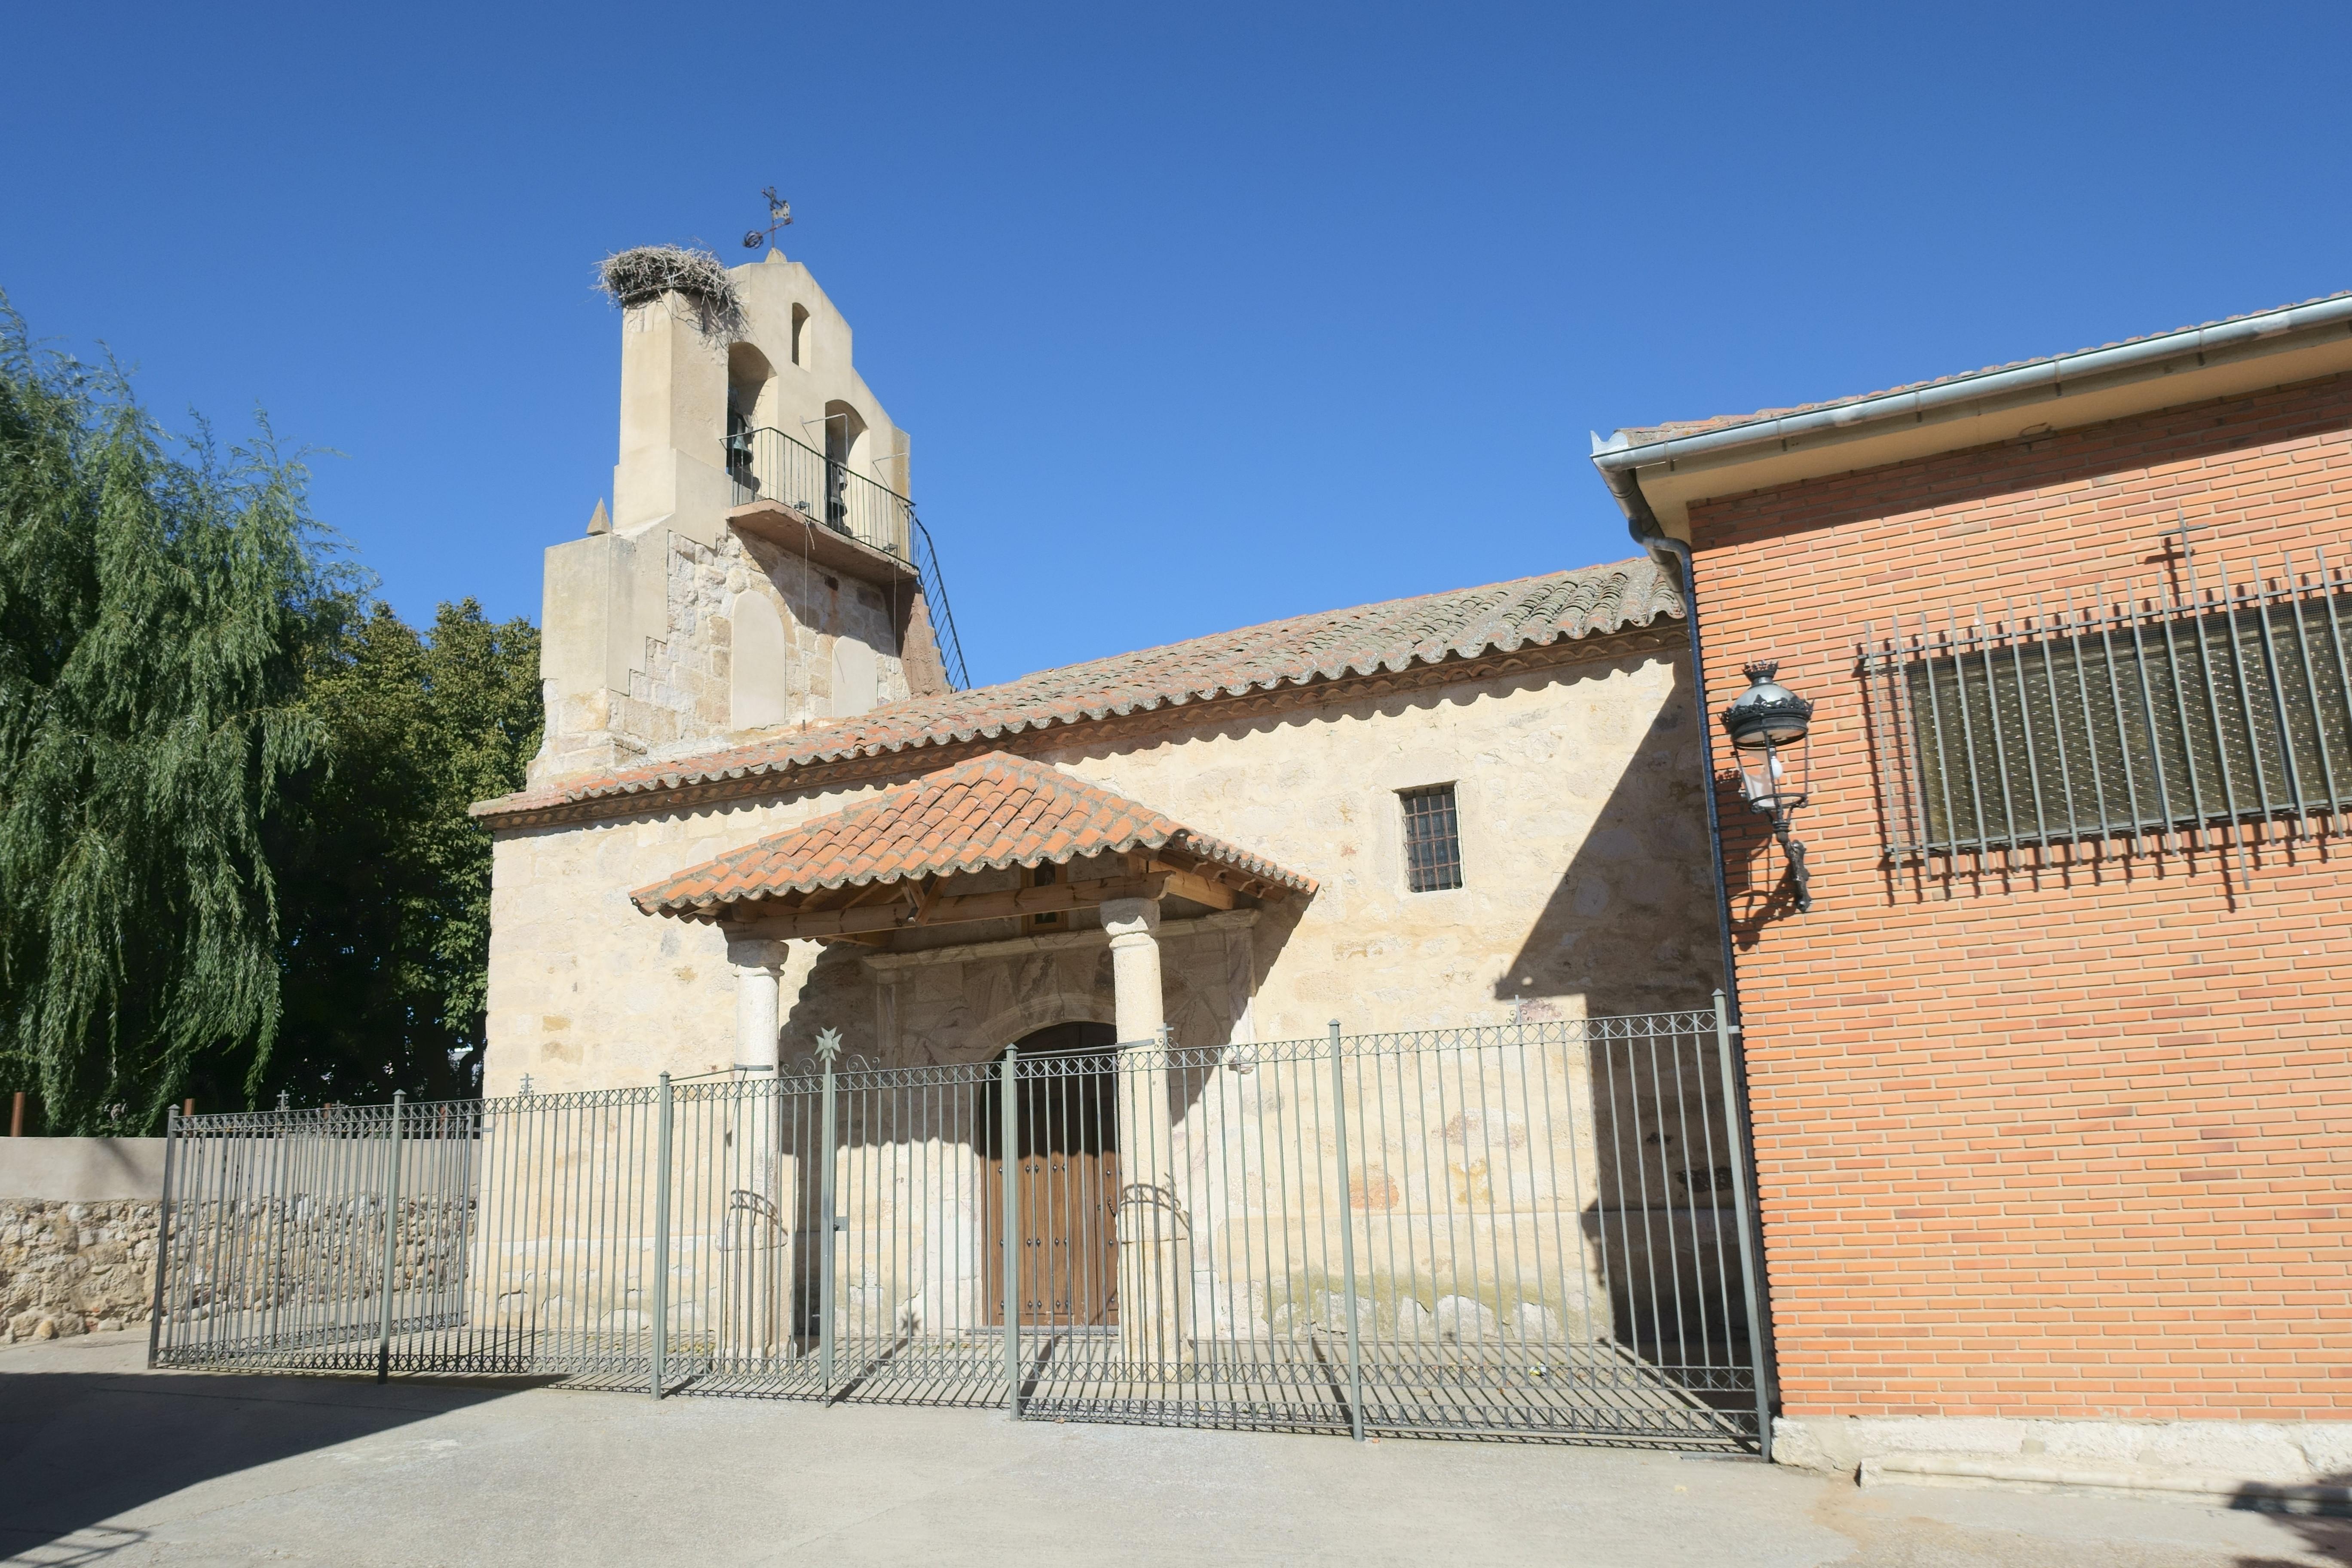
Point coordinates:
pixel 780 216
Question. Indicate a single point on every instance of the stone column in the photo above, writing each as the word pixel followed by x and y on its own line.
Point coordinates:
pixel 1134 927
pixel 757 1000
pixel 755 1252
pixel 1154 1231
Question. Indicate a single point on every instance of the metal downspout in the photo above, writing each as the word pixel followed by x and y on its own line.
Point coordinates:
pixel 1643 523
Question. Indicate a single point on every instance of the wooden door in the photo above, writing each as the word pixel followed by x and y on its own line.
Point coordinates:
pixel 1066 1181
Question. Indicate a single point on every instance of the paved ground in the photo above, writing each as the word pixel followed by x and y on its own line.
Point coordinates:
pixel 102 1462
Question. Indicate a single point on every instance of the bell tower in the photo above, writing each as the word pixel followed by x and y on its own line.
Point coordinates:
pixel 763 567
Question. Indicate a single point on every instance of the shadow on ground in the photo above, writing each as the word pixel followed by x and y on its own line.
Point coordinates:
pixel 80 1447
pixel 2327 1536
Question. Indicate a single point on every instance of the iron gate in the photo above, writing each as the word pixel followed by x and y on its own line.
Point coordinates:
pixel 1539 1228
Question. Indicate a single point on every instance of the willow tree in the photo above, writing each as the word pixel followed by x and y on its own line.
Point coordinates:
pixel 156 603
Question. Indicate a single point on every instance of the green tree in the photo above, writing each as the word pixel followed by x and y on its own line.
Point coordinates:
pixel 385 877
pixel 235 857
pixel 156 609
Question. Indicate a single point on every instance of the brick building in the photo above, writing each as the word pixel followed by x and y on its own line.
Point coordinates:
pixel 2049 1086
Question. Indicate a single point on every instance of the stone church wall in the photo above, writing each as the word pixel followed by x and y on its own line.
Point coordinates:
pixel 678 682
pixel 1587 891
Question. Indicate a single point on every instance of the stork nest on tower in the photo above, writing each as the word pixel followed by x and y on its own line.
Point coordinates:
pixel 649 272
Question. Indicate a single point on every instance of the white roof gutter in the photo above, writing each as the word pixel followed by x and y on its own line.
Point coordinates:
pixel 1619 455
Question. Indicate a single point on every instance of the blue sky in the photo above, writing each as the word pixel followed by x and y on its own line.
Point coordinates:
pixel 1199 315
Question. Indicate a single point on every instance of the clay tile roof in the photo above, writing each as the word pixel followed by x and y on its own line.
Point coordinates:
pixel 1643 435
pixel 1465 623
pixel 991 811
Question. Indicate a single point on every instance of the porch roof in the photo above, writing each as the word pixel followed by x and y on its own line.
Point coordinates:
pixel 992 811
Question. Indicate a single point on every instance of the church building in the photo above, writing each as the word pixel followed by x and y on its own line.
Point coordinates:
pixel 1161 932
pixel 768 805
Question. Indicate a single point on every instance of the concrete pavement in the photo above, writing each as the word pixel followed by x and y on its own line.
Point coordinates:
pixel 102 1462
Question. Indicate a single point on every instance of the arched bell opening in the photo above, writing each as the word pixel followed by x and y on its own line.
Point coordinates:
pixel 747 375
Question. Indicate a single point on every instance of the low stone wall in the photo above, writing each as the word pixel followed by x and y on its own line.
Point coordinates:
pixel 72 1269
pixel 78 1227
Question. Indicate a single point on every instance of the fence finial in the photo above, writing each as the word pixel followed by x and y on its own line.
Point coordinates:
pixel 828 1044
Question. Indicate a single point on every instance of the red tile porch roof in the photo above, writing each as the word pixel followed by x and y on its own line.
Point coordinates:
pixel 989 812
pixel 1394 635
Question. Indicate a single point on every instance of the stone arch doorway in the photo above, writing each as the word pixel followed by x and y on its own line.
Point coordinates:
pixel 1065 1173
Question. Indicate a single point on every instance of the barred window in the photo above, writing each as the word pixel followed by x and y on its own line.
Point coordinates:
pixel 1433 839
pixel 2142 717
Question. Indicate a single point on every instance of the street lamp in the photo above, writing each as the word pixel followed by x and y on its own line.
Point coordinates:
pixel 1768 723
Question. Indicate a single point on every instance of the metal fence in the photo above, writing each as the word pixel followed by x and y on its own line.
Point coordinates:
pixel 2149 720
pixel 766 462
pixel 1537 1229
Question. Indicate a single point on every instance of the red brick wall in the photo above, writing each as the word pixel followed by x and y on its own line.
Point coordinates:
pixel 2075 1139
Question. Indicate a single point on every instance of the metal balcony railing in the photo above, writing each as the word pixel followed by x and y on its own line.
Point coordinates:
pixel 768 464
pixel 935 600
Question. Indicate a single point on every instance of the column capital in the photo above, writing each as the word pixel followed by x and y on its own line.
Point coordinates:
pixel 755 951
pixel 1127 919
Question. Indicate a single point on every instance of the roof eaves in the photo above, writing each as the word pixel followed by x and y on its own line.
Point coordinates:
pixel 1591 615
pixel 1641 448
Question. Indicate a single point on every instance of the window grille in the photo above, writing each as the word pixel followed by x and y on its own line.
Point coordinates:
pixel 2142 717
pixel 1433 839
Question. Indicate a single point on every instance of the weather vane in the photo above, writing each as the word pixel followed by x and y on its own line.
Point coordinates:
pixel 780 216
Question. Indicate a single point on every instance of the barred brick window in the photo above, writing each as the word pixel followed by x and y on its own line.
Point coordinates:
pixel 1433 839
pixel 2140 719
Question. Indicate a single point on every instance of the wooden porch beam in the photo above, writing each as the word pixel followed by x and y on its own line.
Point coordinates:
pixel 1184 884
pixel 962 910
